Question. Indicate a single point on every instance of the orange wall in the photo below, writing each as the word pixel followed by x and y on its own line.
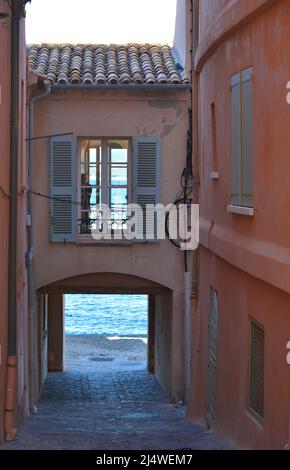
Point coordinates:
pixel 240 297
pixel 21 398
pixel 4 202
pixel 247 259
pixel 22 293
pixel 209 10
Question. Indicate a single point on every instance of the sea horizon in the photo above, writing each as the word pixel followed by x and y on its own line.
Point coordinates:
pixel 106 315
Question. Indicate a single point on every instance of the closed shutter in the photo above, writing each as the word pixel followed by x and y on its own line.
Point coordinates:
pixel 247 138
pixel 257 364
pixel 146 188
pixel 63 210
pixel 236 139
pixel 213 325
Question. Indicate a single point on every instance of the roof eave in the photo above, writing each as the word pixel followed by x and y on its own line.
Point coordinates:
pixel 159 87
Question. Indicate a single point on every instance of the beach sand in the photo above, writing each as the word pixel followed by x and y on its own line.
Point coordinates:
pixel 104 354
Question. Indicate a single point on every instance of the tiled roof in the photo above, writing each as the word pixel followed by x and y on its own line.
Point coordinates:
pixel 100 64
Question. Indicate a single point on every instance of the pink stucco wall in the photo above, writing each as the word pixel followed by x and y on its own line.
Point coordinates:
pixel 21 394
pixel 4 201
pixel 245 258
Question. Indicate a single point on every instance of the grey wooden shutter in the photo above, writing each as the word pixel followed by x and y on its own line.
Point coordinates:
pixel 236 139
pixel 247 138
pixel 63 213
pixel 213 325
pixel 146 187
pixel 257 361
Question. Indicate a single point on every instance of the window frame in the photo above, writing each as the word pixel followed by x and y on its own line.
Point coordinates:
pixel 105 161
pixel 240 79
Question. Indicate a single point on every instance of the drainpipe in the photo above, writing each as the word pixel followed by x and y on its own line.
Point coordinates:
pixel 31 293
pixel 10 427
pixel 195 126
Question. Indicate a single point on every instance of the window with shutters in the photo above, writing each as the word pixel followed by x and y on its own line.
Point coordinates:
pixel 242 138
pixel 256 369
pixel 103 172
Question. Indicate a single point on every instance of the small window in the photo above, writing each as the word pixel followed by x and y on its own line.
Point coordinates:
pixel 214 138
pixel 257 364
pixel 212 359
pixel 242 138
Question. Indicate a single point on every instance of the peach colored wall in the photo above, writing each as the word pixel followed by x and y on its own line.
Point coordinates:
pixel 22 286
pixel 238 300
pixel 114 113
pixel 255 247
pixel 21 398
pixel 209 10
pixel 4 201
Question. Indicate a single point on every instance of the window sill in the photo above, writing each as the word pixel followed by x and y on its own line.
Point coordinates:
pixel 214 175
pixel 90 241
pixel 241 210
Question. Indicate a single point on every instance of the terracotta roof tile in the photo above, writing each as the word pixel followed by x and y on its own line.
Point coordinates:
pixel 100 64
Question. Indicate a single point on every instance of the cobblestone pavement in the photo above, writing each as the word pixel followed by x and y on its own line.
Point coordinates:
pixel 110 411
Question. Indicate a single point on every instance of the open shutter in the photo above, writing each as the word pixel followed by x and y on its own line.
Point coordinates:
pixel 146 186
pixel 213 325
pixel 247 138
pixel 236 138
pixel 63 213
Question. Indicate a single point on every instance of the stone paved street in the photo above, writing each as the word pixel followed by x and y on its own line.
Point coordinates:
pixel 110 411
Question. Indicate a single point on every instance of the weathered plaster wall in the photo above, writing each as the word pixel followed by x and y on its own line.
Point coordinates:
pixel 4 201
pixel 238 300
pixel 163 339
pixel 104 114
pixel 22 285
pixel 5 92
pixel 56 333
pixel 245 258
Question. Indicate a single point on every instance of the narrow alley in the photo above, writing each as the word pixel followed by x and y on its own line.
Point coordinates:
pixel 112 410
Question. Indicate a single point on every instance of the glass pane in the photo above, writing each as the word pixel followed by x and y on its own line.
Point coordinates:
pixel 90 197
pixel 118 202
pixel 90 175
pixel 92 155
pixel 118 151
pixel 91 151
pixel 119 175
pixel 119 197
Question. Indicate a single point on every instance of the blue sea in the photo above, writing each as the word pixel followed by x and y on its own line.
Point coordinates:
pixel 106 315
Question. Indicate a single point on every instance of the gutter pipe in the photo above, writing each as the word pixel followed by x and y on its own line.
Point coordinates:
pixel 10 427
pixel 31 293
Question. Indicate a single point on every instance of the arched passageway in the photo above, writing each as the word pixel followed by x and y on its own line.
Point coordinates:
pixel 102 409
pixel 165 349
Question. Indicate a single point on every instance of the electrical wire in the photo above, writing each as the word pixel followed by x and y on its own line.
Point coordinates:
pixel 53 198
pixel 184 195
